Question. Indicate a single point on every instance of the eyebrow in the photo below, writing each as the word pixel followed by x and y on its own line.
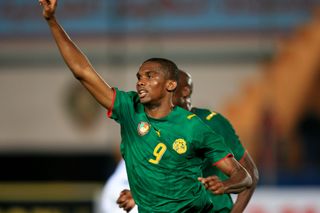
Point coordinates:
pixel 146 73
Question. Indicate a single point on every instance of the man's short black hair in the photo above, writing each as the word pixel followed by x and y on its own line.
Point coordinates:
pixel 168 66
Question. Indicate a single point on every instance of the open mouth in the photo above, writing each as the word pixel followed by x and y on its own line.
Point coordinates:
pixel 142 93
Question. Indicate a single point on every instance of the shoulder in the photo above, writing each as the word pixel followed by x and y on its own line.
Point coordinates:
pixel 130 96
pixel 187 116
pixel 123 103
pixel 215 120
pixel 210 115
pixel 119 92
pixel 206 114
pixel 192 121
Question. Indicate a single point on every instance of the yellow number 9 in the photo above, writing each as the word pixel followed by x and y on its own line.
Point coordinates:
pixel 158 152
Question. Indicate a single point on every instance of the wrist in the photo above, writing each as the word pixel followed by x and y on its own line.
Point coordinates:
pixel 225 187
pixel 50 20
pixel 48 15
pixel 47 18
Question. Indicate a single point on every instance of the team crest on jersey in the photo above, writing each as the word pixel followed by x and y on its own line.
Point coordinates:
pixel 143 128
pixel 180 146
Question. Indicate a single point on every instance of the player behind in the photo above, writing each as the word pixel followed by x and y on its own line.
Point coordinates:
pixel 163 146
pixel 222 203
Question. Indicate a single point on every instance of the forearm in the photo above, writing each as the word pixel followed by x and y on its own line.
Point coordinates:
pixel 243 199
pixel 238 181
pixel 74 58
pixel 80 66
pixel 239 178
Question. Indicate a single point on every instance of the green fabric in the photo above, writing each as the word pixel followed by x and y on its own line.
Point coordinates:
pixel 222 126
pixel 163 168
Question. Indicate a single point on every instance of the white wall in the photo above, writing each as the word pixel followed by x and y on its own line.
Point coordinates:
pixel 34 84
pixel 33 113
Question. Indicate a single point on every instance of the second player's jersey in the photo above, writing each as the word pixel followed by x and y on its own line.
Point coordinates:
pixel 223 127
pixel 164 156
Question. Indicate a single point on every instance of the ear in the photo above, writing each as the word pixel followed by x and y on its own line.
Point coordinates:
pixel 186 91
pixel 171 85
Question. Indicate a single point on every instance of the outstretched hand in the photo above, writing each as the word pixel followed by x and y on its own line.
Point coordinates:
pixel 49 8
pixel 125 200
pixel 214 184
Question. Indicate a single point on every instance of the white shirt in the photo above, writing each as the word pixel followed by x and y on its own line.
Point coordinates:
pixel 117 182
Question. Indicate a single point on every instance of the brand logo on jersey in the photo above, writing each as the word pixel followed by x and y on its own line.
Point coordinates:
pixel 180 146
pixel 143 128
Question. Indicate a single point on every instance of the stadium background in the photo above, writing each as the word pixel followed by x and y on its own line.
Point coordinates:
pixel 257 62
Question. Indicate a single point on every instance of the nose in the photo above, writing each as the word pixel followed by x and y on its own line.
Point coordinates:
pixel 140 82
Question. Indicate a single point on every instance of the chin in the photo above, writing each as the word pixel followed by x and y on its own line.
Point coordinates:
pixel 144 101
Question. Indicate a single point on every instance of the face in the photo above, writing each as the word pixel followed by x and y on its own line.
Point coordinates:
pixel 179 98
pixel 182 95
pixel 152 84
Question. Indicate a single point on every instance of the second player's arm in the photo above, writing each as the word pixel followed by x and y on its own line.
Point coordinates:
pixel 76 60
pixel 239 179
pixel 244 197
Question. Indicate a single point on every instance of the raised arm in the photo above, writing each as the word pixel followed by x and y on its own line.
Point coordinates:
pixel 239 179
pixel 75 59
pixel 244 197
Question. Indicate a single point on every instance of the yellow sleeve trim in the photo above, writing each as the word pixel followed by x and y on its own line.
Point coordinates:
pixel 211 115
pixel 191 116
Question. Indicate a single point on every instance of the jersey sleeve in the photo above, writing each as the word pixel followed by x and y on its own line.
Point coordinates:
pixel 223 127
pixel 122 105
pixel 212 145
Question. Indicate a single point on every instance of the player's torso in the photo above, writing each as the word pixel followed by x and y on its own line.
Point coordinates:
pixel 161 159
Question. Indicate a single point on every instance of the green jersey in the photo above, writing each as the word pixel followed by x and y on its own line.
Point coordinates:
pixel 223 127
pixel 164 156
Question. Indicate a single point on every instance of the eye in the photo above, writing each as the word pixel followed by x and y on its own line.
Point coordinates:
pixel 138 77
pixel 150 75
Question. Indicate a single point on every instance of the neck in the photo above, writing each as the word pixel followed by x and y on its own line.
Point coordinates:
pixel 158 110
pixel 188 104
pixel 189 107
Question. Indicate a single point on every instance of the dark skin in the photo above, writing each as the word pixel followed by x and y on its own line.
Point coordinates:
pixel 157 103
pixel 154 88
pixel 182 98
pixel 126 200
